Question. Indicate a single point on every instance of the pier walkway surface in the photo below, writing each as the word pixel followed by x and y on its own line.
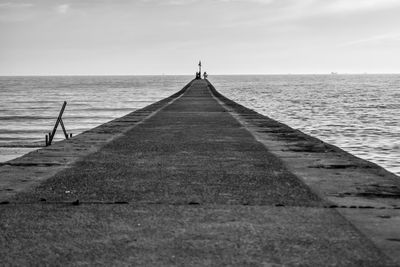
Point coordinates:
pixel 197 180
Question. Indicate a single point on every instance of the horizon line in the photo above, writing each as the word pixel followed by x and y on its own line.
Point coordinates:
pixel 216 74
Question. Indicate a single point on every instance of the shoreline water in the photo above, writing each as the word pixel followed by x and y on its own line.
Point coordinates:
pixel 265 94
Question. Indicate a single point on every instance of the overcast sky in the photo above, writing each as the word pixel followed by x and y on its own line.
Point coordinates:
pixel 107 37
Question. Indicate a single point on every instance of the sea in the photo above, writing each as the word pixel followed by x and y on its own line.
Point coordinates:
pixel 358 113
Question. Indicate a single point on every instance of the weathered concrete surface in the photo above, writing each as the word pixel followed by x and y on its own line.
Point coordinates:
pixel 188 185
pixel 183 235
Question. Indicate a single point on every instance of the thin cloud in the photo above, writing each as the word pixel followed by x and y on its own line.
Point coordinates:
pixel 180 2
pixel 334 5
pixel 15 11
pixel 292 10
pixel 12 5
pixel 361 5
pixel 374 40
pixel 304 8
pixel 170 2
pixel 63 9
pixel 267 2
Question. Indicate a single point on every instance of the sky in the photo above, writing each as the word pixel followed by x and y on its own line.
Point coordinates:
pixel 144 37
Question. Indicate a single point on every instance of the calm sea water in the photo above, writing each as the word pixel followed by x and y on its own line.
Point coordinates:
pixel 359 113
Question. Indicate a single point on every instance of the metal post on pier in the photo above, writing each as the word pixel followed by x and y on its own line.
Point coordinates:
pixel 200 69
pixel 50 136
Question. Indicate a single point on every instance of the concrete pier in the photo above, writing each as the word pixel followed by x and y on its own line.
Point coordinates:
pixel 197 180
